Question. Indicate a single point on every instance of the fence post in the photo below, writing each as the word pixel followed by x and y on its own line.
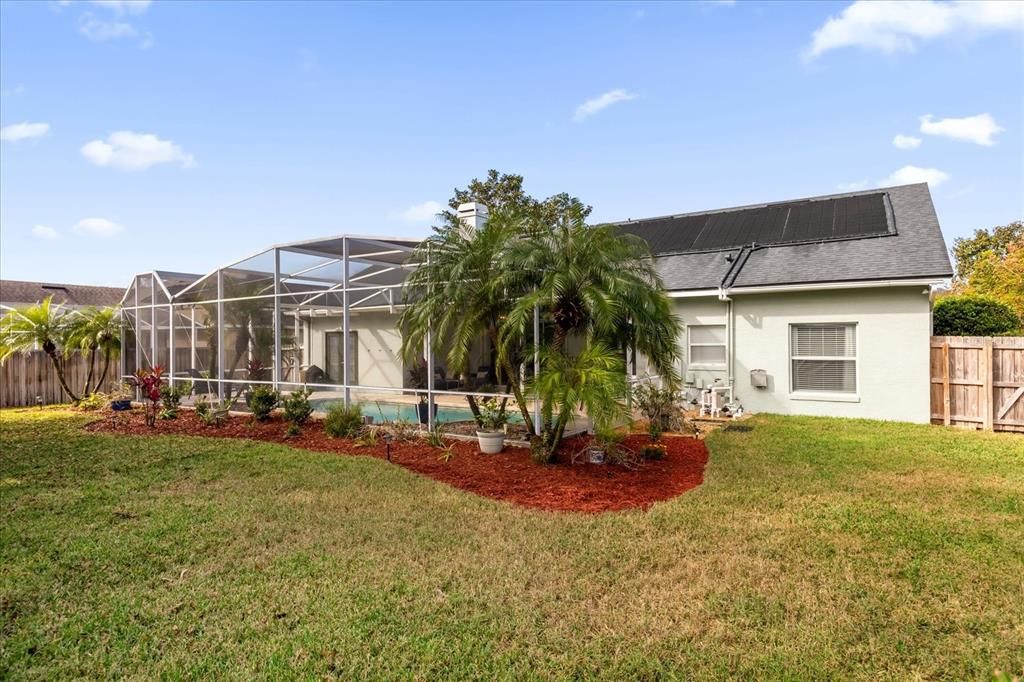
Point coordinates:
pixel 945 380
pixel 987 406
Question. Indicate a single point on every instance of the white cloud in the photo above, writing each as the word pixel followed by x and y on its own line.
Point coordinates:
pixel 130 151
pixel 421 212
pixel 100 31
pixel 23 131
pixel 890 26
pixel 17 91
pixel 977 129
pixel 44 232
pixel 906 142
pixel 124 6
pixel 98 227
pixel 909 175
pixel 592 106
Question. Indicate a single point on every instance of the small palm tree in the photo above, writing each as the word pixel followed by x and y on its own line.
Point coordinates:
pixel 592 282
pixel 594 380
pixel 36 326
pixel 94 331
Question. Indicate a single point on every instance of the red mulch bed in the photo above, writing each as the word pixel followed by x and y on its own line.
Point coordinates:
pixel 510 476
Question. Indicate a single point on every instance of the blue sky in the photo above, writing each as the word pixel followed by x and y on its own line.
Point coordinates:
pixel 181 136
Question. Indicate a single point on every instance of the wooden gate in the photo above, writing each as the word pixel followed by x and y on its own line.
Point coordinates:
pixel 978 382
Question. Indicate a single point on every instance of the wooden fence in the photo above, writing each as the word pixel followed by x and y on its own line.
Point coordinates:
pixel 30 379
pixel 978 382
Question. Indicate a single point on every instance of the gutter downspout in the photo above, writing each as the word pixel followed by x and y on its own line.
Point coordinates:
pixel 730 317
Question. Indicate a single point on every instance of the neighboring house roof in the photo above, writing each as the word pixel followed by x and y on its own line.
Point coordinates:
pixel 16 293
pixel 881 234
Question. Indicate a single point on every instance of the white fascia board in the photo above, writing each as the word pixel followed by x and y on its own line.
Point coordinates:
pixel 813 286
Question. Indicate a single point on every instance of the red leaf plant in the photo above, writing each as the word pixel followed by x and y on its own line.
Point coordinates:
pixel 149 381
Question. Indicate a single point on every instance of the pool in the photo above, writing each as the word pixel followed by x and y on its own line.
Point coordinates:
pixel 392 412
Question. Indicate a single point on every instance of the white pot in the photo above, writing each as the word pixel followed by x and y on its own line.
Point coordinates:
pixel 491 442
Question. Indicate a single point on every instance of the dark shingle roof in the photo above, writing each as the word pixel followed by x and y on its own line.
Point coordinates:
pixel 881 234
pixel 16 292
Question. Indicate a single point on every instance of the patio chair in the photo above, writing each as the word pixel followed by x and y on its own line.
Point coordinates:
pixel 443 383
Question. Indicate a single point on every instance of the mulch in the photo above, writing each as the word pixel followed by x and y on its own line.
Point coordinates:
pixel 511 476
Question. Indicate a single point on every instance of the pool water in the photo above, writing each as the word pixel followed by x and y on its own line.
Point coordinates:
pixel 391 412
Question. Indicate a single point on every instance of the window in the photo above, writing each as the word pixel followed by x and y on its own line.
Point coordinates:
pixel 707 346
pixel 823 358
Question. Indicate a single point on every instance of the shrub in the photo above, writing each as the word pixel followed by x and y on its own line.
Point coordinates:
pixel 297 409
pixel 262 401
pixel 654 451
pixel 213 414
pixel 93 402
pixel 972 315
pixel 171 397
pixel 657 405
pixel 344 422
pixel 202 408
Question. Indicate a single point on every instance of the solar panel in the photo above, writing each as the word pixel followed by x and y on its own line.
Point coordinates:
pixel 782 223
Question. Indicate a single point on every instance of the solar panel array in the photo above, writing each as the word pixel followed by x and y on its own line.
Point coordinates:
pixel 796 221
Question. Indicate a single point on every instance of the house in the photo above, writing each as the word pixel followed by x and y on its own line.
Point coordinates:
pixel 811 306
pixel 16 293
pixel 814 306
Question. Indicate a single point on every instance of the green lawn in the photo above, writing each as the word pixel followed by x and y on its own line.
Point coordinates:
pixel 815 548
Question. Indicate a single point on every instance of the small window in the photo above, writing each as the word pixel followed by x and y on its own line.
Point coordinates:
pixel 823 358
pixel 707 346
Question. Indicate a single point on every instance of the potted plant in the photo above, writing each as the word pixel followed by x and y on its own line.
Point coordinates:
pixel 418 379
pixel 605 445
pixel 121 398
pixel 491 434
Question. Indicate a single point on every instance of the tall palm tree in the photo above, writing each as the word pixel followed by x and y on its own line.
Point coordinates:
pixel 455 293
pixel 36 326
pixel 593 283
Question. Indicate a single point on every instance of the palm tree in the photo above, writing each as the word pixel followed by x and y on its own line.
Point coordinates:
pixel 455 293
pixel 36 326
pixel 592 283
pixel 593 380
pixel 94 331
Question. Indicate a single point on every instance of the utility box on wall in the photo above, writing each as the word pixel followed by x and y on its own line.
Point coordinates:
pixel 759 378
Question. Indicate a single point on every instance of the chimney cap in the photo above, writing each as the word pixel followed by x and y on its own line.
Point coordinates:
pixel 471 208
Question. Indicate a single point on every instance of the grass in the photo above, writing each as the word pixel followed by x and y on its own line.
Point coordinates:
pixel 815 549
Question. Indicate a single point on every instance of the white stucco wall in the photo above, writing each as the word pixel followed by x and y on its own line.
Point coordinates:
pixel 379 345
pixel 893 332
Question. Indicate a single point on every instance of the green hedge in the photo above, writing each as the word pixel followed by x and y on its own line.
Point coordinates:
pixel 971 315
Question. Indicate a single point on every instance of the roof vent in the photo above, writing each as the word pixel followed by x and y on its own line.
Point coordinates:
pixel 473 216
